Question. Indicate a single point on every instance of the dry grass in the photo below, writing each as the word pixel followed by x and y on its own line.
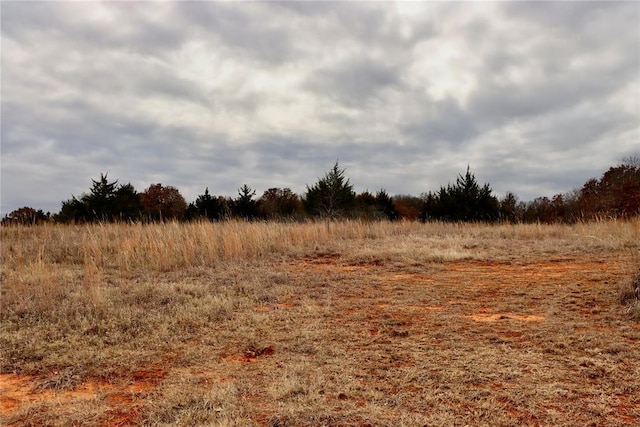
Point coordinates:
pixel 320 324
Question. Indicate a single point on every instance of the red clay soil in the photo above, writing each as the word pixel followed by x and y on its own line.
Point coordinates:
pixel 121 395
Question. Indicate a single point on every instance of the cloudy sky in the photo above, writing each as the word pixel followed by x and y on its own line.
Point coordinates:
pixel 535 97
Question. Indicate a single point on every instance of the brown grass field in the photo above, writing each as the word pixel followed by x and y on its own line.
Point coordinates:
pixel 320 324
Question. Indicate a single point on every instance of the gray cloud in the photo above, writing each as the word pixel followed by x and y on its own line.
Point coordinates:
pixel 535 97
pixel 353 82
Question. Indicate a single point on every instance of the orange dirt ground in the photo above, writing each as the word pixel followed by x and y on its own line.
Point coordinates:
pixel 481 288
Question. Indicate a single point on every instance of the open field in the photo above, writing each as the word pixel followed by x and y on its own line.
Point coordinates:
pixel 333 324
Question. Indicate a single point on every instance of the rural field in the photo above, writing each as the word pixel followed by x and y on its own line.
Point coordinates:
pixel 320 324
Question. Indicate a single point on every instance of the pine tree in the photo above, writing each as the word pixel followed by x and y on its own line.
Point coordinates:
pixel 465 201
pixel 245 206
pixel 332 196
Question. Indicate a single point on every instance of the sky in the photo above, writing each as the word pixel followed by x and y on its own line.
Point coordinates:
pixel 535 97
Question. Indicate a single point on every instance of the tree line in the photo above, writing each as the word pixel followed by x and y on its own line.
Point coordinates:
pixel 615 194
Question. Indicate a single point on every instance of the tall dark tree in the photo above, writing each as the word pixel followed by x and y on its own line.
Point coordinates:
pixel 106 202
pixel 385 205
pixel 126 205
pixel 465 201
pixel 509 208
pixel 376 207
pixel 73 210
pixel 209 207
pixel 245 206
pixel 100 201
pixel 366 206
pixel 332 196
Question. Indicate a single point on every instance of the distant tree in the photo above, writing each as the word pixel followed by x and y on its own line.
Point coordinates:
pixel 126 205
pixel 631 161
pixel 376 207
pixel 209 207
pixel 615 194
pixel 26 216
pixel 539 210
pixel 106 202
pixel 366 206
pixel 571 206
pixel 332 196
pixel 245 206
pixel 619 187
pixel 100 202
pixel 558 209
pixel 465 201
pixel 385 205
pixel 161 203
pixel 508 207
pixel 279 203
pixel 408 207
pixel 73 210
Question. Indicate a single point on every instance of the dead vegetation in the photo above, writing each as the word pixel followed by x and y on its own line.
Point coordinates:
pixel 333 324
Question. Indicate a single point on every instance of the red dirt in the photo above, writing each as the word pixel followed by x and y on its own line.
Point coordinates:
pixel 19 391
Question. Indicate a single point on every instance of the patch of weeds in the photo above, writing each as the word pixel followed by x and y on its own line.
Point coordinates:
pixel 66 379
pixel 630 297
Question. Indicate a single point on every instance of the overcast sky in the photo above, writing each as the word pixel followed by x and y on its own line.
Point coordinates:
pixel 535 97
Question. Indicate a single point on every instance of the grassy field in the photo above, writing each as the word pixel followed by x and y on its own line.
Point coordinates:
pixel 320 324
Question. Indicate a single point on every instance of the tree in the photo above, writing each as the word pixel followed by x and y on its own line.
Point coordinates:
pixel 465 201
pixel 26 216
pixel 100 202
pixel 279 203
pixel 616 193
pixel 126 204
pixel 408 207
pixel 366 203
pixel 210 207
pixel 245 206
pixel 73 210
pixel 508 207
pixel 331 197
pixel 106 201
pixel 385 205
pixel 161 203
pixel 631 161
pixel 619 188
pixel 378 206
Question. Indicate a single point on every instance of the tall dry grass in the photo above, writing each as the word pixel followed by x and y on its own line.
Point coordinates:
pixel 50 265
pixel 171 246
pixel 45 255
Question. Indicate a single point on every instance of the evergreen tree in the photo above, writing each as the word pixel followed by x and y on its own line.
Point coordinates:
pixel 208 206
pixel 465 201
pixel 509 208
pixel 106 202
pixel 100 202
pixel 331 197
pixel 245 206
pixel 126 205
pixel 385 205
pixel 73 210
